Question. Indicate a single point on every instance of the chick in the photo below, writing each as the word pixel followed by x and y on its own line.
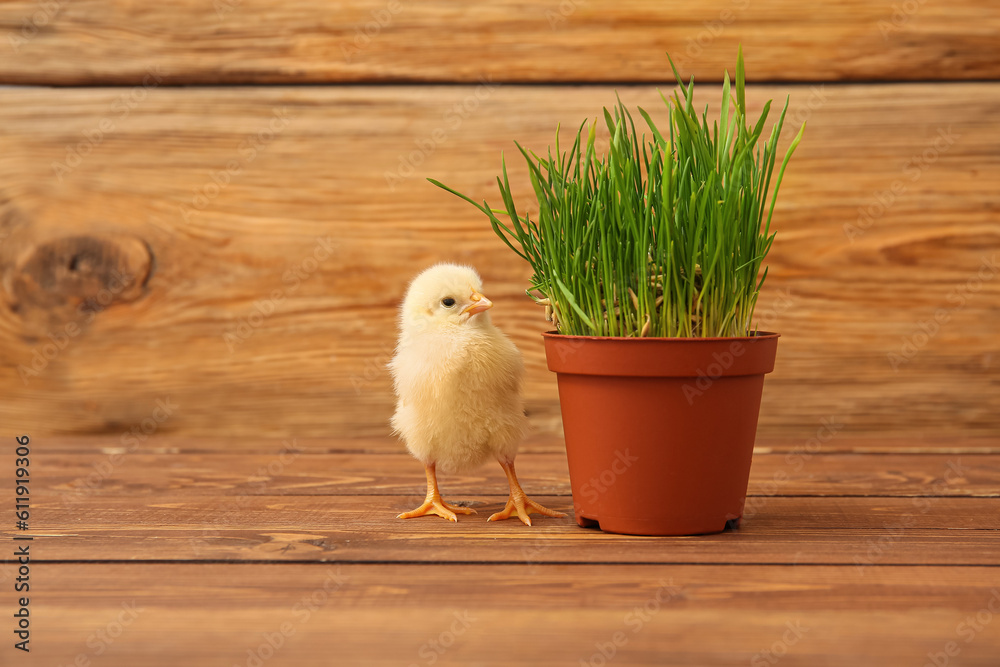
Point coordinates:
pixel 458 384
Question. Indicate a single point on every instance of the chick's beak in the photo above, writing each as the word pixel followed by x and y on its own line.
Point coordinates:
pixel 479 304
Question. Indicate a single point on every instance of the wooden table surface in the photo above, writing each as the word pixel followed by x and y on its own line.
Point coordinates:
pixel 196 552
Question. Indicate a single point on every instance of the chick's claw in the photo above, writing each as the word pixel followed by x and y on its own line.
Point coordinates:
pixel 522 506
pixel 438 507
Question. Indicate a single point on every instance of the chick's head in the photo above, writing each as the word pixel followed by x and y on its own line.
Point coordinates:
pixel 445 295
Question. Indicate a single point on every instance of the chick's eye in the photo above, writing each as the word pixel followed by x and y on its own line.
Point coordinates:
pixel 447 302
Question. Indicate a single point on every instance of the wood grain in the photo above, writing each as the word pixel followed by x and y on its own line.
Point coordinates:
pixel 552 615
pixel 90 42
pixel 282 228
pixel 73 478
pixel 533 443
pixel 860 532
pixel 212 502
pixel 192 552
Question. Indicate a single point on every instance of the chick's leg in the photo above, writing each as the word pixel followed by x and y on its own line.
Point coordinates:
pixel 519 504
pixel 433 503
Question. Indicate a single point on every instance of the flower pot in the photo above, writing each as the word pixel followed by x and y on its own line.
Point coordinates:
pixel 660 431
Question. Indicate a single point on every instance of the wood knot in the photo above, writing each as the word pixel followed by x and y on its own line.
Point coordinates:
pixel 62 279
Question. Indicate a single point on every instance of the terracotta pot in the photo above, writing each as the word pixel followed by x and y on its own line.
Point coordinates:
pixel 660 431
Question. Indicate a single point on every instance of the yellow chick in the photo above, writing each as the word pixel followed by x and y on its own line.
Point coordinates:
pixel 458 384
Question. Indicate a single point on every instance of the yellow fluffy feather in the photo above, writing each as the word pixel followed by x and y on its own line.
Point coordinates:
pixel 458 386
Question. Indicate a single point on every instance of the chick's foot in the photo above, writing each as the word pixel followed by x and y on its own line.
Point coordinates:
pixel 438 507
pixel 522 506
pixel 433 503
pixel 519 503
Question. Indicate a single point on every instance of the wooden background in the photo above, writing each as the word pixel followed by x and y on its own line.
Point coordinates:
pixel 209 211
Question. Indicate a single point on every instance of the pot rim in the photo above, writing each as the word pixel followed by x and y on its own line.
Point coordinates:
pixel 761 335
pixel 661 357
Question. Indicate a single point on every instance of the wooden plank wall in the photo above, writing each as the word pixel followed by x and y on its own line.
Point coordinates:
pixel 193 240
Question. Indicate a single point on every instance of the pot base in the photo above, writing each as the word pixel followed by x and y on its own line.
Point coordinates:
pixel 632 526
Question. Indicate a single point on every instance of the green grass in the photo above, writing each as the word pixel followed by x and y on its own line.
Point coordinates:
pixel 663 236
